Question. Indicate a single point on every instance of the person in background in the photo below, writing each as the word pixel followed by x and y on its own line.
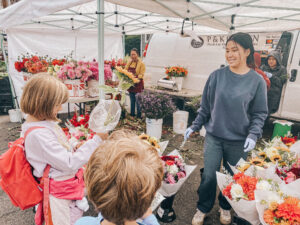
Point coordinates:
pixel 278 79
pixel 257 60
pixel 122 177
pixel 233 110
pixel 137 67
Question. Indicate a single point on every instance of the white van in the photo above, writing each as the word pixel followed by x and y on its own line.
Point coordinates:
pixel 207 53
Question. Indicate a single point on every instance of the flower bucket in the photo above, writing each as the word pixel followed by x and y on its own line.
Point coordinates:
pixel 76 87
pixel 281 128
pixel 180 120
pixel 93 88
pixel 178 81
pixel 15 115
pixel 26 76
pixel 154 127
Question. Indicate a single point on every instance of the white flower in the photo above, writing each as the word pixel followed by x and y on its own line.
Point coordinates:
pixel 56 68
pixel 274 197
pixel 236 191
pixel 271 152
pixel 264 185
pixel 172 169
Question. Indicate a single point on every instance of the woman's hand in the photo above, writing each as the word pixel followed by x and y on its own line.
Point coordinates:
pixel 249 145
pixel 103 136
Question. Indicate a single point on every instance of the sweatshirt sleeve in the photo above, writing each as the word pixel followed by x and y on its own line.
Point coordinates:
pixel 204 110
pixel 43 145
pixel 258 112
pixel 150 220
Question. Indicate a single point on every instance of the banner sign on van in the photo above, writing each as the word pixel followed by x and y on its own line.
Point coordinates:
pixel 197 43
pixel 261 41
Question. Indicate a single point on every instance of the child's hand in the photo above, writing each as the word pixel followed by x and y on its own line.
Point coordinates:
pixel 147 213
pixel 103 136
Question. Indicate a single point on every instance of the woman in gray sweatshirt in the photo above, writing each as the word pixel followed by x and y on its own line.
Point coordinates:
pixel 233 110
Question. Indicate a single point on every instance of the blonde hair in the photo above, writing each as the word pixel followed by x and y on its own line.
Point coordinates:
pixel 41 94
pixel 122 177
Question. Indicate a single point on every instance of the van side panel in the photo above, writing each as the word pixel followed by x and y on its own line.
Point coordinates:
pixel 290 105
pixel 173 50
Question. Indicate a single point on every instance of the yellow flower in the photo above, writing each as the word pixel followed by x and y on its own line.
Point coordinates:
pixel 244 167
pixel 275 158
pixel 263 155
pixel 273 206
pixel 283 149
pixel 257 161
pixel 154 142
pixel 144 137
pixel 282 163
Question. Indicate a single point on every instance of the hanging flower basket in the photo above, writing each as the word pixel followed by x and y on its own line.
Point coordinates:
pixel 76 88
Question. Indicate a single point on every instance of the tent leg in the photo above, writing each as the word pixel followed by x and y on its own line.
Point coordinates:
pixel 100 19
pixel 15 101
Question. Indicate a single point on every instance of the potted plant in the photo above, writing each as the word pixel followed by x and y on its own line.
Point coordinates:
pixel 176 73
pixel 156 107
pixel 74 74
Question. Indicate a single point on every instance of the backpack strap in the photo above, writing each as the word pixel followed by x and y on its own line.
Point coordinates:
pixel 31 129
pixel 46 192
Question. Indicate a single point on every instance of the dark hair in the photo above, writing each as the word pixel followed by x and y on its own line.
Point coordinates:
pixel 135 50
pixel 244 40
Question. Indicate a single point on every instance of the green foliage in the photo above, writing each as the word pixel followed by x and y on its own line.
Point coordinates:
pixel 132 41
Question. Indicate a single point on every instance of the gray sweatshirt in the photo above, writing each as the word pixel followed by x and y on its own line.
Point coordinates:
pixel 233 106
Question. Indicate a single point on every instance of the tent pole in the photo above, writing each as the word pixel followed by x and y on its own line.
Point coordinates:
pixel 13 92
pixel 100 18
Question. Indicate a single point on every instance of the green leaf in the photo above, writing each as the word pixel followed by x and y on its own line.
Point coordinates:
pixel 125 86
pixel 123 97
pixel 108 89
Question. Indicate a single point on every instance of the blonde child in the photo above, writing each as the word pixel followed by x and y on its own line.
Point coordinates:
pixel 122 177
pixel 42 99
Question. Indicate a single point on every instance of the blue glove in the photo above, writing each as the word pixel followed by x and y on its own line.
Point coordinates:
pixel 249 145
pixel 187 133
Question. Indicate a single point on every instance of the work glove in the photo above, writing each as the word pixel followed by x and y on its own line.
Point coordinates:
pixel 187 133
pixel 249 145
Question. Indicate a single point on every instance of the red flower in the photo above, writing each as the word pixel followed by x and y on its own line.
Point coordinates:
pixel 169 157
pixel 35 58
pixel 19 66
pixel 226 191
pixel 288 140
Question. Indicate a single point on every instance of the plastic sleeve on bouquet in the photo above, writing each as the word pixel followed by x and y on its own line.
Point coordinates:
pixel 158 198
pixel 244 209
pixel 163 145
pixel 105 116
pixel 170 189
pixel 296 148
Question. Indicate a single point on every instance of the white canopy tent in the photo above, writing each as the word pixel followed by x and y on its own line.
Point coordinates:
pixel 56 28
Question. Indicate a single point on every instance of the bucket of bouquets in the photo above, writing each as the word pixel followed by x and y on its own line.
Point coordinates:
pixel 176 173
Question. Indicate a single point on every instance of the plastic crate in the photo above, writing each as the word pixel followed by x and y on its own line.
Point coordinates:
pixel 4 85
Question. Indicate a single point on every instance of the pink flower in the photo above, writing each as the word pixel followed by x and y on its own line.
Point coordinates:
pixel 71 74
pixel 170 179
pixel 290 177
pixel 181 175
pixel 81 63
pixel 107 72
pixel 78 134
pixel 61 75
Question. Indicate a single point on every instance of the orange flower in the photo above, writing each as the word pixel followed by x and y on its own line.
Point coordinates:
pixel 269 217
pixel 289 210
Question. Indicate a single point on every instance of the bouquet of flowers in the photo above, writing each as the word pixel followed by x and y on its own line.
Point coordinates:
pixel 239 190
pixel 278 208
pixel 176 173
pixel 289 174
pixel 155 105
pixel 176 71
pixel 78 121
pixel 74 70
pixel 32 64
pixel 55 65
pixel 174 169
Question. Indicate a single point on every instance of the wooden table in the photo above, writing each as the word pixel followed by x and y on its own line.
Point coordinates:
pixel 80 102
pixel 181 95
